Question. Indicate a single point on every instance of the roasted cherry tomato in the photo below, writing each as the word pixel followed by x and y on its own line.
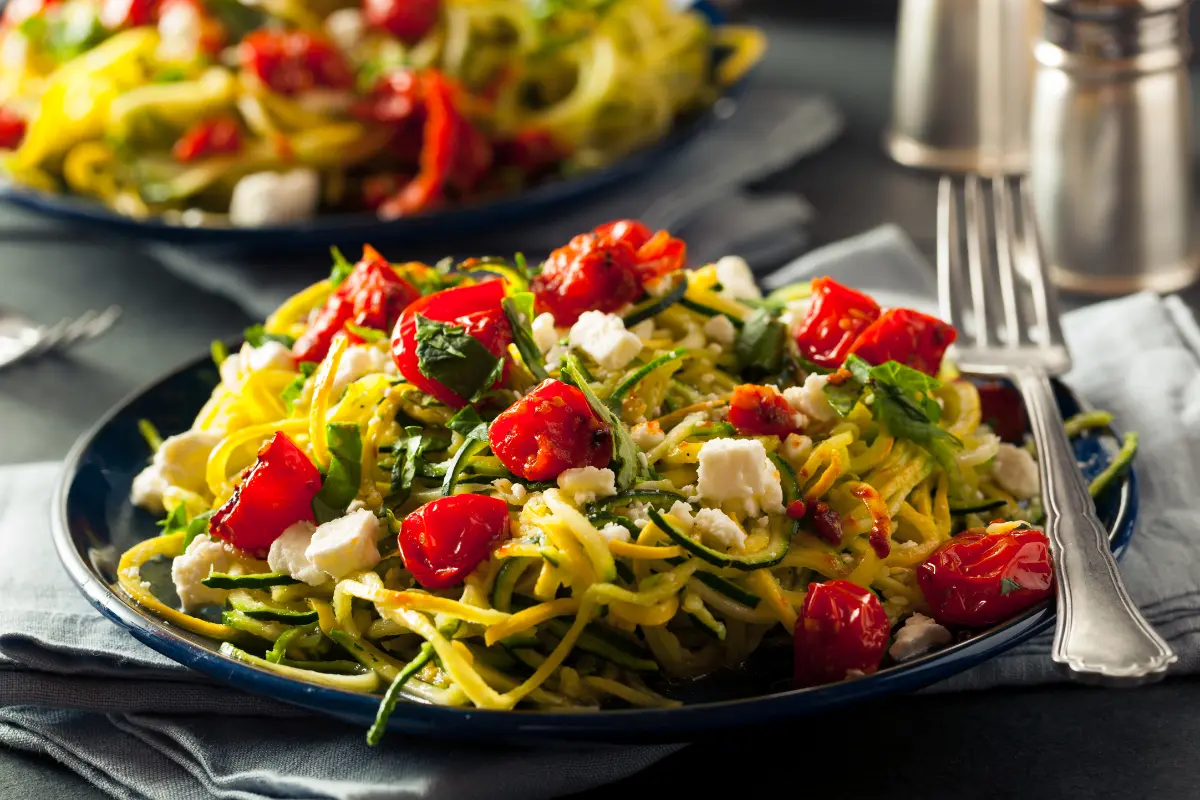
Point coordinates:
pixel 115 14
pixel 407 20
pixel 294 61
pixel 761 411
pixel 661 255
pixel 551 429
pixel 630 231
pixel 590 272
pixel 836 316
pixel 1002 408
pixel 474 308
pixel 841 627
pixel 533 152
pixel 907 336
pixel 444 540
pixel 371 296
pixel 209 137
pixel 980 578
pixel 274 494
pixel 12 130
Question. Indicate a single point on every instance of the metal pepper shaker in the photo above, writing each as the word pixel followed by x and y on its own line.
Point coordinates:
pixel 1111 145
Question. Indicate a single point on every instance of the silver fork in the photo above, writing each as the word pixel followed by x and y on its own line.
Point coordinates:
pixel 1007 315
pixel 21 339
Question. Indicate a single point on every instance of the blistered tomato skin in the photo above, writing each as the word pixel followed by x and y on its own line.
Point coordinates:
pixel 836 316
pixel 290 62
pixel 761 411
pixel 443 541
pixel 551 429
pixel 841 627
pixel 978 579
pixel 907 336
pixel 275 493
pixel 12 130
pixel 407 20
pixel 589 273
pixel 474 308
pixel 210 137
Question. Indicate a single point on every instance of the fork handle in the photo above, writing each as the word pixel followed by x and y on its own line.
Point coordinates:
pixel 1101 637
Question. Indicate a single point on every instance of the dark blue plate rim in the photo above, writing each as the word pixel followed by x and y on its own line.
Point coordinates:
pixel 344 227
pixel 625 726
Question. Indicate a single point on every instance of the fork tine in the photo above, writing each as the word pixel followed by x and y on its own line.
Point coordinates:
pixel 949 257
pixel 78 328
pixel 978 257
pixel 49 337
pixel 1045 300
pixel 1005 246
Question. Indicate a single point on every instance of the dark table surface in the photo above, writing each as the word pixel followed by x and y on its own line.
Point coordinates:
pixel 1055 741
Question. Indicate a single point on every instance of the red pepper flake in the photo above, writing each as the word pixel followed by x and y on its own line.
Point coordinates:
pixel 827 523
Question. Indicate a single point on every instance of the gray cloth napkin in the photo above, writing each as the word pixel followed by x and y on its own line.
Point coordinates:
pixel 699 195
pixel 75 687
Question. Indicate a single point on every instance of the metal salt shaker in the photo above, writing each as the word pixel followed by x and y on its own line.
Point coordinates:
pixel 1111 145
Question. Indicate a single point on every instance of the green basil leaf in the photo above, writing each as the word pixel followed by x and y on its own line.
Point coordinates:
pixel 519 310
pixel 370 335
pixel 195 527
pixel 469 424
pixel 625 452
pixel 466 422
pixel 176 521
pixel 291 393
pixel 1008 586
pixel 760 344
pixel 257 336
pixel 449 355
pixel 341 268
pixel 405 468
pixel 342 479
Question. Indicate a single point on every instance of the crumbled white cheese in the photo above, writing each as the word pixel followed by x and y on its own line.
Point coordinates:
pixel 716 526
pixel 794 313
pixel 720 329
pixel 345 28
pixel 287 554
pixel 345 545
pixel 179 30
pixel 647 435
pixel 739 469
pixel 358 361
pixel 682 512
pixel 545 335
pixel 796 449
pixel 181 462
pixel 554 356
pixel 585 484
pixel 267 198
pixel 203 555
pixel 248 360
pixel 604 338
pixel 736 279
pixel 810 399
pixel 919 634
pixel 638 514
pixel 615 533
pixel 1016 471
pixel 509 492
pixel 644 330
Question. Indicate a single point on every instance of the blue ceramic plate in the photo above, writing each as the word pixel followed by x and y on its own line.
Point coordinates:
pixel 94 523
pixel 331 228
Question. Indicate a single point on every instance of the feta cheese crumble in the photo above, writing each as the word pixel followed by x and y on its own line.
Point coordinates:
pixel 919 634
pixel 358 361
pixel 739 470
pixel 796 449
pixel 615 533
pixel 716 526
pixel 180 462
pixel 736 279
pixel 248 360
pixel 647 435
pixel 345 545
pixel 720 329
pixel 545 334
pixel 604 338
pixel 1016 471
pixel 682 512
pixel 585 484
pixel 265 198
pixel 810 399
pixel 203 555
pixel 288 554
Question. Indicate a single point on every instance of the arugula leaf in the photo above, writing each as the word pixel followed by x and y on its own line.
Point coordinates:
pixel 366 334
pixel 341 268
pixel 467 423
pixel 449 355
pixel 1008 586
pixel 760 344
pixel 257 336
pixel 291 393
pixel 625 452
pixel 340 486
pixel 519 310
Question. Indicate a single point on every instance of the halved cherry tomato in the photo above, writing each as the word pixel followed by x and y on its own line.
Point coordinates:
pixel 661 255
pixel 208 137
pixel 907 336
pixel 407 20
pixel 532 151
pixel 444 540
pixel 12 130
pixel 630 231
pixel 841 627
pixel 551 429
pixel 294 61
pixel 761 411
pixel 115 14
pixel 590 272
pixel 980 578
pixel 371 296
pixel 836 316
pixel 476 309
pixel 275 493
pixel 1001 407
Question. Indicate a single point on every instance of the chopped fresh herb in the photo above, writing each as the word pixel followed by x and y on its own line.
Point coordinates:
pixel 169 74
pixel 150 434
pixel 449 355
pixel 176 521
pixel 257 336
pixel 371 335
pixel 341 268
pixel 292 392
pixel 219 352
pixel 760 344
pixel 196 526
pixel 75 32
pixel 1008 586
pixel 468 424
pixel 625 452
pixel 340 486
pixel 519 310
pixel 405 469
pixel 237 18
